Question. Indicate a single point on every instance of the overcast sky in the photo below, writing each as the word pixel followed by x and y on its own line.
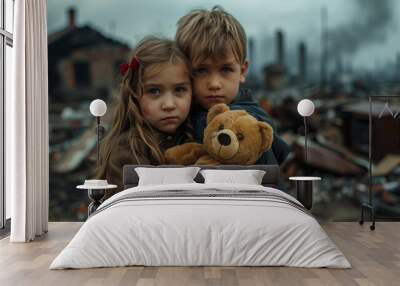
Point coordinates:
pixel 363 33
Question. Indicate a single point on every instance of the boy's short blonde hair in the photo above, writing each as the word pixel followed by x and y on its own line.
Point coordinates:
pixel 202 34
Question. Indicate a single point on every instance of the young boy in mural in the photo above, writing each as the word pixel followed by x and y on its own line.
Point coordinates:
pixel 152 109
pixel 215 43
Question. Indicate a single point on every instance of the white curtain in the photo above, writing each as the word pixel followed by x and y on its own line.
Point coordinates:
pixel 27 151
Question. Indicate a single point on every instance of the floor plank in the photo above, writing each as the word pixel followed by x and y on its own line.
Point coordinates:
pixel 374 255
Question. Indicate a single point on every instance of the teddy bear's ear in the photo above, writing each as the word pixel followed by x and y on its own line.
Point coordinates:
pixel 215 110
pixel 267 134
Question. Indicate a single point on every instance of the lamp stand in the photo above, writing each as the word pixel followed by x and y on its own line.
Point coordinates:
pixel 99 132
pixel 305 138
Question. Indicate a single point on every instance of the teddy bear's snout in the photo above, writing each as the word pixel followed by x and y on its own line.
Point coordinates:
pixel 224 144
pixel 224 139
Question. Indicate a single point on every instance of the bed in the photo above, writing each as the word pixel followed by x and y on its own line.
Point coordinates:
pixel 201 224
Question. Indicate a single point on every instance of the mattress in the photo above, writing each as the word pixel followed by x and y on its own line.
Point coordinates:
pixel 201 225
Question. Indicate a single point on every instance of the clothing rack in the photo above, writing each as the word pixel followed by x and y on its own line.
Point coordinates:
pixel 369 206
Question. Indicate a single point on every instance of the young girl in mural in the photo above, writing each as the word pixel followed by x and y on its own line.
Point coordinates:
pixel 152 109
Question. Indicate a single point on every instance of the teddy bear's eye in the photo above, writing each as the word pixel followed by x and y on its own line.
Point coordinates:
pixel 240 136
pixel 221 127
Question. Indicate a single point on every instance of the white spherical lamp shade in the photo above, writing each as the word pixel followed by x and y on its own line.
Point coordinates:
pixel 98 107
pixel 305 107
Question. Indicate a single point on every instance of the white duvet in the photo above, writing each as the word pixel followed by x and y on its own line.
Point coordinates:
pixel 183 231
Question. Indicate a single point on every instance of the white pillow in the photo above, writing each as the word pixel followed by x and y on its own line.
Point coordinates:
pixel 248 177
pixel 163 176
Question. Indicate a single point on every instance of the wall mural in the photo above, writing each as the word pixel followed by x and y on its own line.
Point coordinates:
pixel 224 93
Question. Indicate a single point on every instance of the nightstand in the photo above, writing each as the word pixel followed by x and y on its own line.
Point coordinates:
pixel 304 186
pixel 95 194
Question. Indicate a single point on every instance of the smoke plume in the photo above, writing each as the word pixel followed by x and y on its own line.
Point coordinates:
pixel 370 24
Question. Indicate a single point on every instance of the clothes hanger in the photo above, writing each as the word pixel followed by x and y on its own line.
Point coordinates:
pixel 386 107
pixel 396 114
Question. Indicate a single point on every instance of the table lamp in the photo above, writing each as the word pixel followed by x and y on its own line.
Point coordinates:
pixel 98 108
pixel 305 108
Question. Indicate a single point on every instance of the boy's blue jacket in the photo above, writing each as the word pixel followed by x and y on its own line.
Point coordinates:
pixel 279 151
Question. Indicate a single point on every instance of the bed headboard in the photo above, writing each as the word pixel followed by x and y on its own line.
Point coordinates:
pixel 271 178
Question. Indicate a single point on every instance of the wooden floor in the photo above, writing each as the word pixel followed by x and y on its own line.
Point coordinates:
pixel 374 255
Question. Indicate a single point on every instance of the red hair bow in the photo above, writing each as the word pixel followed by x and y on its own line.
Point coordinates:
pixel 134 65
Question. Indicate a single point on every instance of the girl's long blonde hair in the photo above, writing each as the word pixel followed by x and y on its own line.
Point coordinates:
pixel 150 51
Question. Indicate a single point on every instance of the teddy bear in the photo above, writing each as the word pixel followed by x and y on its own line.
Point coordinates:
pixel 231 137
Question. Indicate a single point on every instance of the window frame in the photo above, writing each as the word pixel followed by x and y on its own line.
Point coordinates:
pixel 6 39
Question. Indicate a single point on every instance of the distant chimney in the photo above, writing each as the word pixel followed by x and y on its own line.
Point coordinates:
pixel 280 48
pixel 302 62
pixel 251 53
pixel 71 17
